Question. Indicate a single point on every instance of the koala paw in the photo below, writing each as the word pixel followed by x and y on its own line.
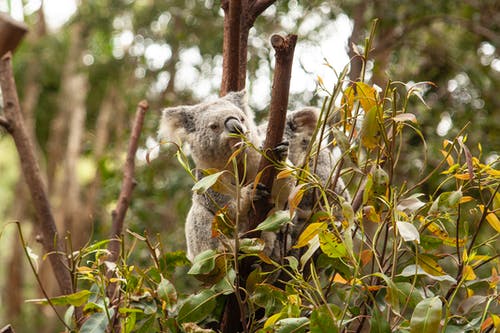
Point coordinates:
pixel 280 152
pixel 261 192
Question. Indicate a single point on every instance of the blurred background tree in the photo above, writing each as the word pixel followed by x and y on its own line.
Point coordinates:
pixel 79 84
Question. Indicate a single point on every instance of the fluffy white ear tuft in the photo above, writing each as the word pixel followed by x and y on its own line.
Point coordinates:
pixel 175 124
pixel 240 99
pixel 306 118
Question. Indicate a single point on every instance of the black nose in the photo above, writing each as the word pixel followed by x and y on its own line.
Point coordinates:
pixel 234 126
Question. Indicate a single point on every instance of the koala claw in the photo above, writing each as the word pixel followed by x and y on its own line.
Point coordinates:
pixel 280 152
pixel 261 192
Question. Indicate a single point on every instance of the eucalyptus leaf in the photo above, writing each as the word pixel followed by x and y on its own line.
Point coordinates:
pixel 427 316
pixel 197 307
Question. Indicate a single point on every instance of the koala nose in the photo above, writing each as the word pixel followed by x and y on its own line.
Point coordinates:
pixel 234 126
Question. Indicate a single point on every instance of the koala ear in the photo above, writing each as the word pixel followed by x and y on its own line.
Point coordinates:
pixel 176 123
pixel 305 118
pixel 238 98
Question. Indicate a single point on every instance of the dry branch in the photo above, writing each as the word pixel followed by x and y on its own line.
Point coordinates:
pixel 31 171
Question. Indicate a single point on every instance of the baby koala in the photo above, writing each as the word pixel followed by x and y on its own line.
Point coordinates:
pixel 299 129
pixel 213 130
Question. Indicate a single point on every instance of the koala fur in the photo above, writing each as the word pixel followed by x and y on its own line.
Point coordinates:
pixel 208 129
pixel 299 129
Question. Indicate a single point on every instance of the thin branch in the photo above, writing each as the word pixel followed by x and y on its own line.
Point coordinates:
pixel 118 214
pixel 32 175
pixel 259 7
pixel 7 329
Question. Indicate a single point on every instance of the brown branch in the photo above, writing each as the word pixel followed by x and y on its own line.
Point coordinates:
pixel 7 329
pixel 118 214
pixel 32 175
pixel 231 46
pixel 284 48
pixel 240 15
pixel 11 33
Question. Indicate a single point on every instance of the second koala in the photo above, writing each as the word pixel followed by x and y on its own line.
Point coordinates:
pixel 213 132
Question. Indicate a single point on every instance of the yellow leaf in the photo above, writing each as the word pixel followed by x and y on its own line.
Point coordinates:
pixel 468 273
pixel 84 269
pixel 496 321
pixel 430 266
pixel 449 158
pixel 309 233
pixel 339 279
pixel 493 172
pixel 368 96
pixel 465 199
pixel 285 173
pixel 492 219
pixel 348 102
pixel 462 176
pixel 370 129
pixel 272 320
pixel 295 197
pixel 469 292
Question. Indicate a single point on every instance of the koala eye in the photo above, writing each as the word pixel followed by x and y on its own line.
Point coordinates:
pixel 213 126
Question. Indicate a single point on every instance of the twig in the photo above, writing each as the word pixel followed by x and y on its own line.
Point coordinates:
pixel 118 214
pixel 31 172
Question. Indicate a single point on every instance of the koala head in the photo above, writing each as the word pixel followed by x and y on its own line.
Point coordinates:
pixel 299 128
pixel 209 128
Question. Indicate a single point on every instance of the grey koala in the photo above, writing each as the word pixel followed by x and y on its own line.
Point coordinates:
pixel 299 128
pixel 213 132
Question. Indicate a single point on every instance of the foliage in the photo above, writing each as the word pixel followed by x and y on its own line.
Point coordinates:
pixel 404 261
pixel 425 235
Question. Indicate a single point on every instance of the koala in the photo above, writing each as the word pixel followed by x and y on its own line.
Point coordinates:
pixel 213 131
pixel 299 128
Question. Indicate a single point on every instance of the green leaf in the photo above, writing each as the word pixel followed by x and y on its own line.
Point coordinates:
pixel 322 321
pixel 204 262
pixel 197 307
pixel 97 322
pixel 408 294
pixel 378 323
pixel 206 182
pixel 274 221
pixel 269 297
pixel 252 245
pixel 427 316
pixel 289 325
pixel 332 245
pixel 166 291
pixel 77 299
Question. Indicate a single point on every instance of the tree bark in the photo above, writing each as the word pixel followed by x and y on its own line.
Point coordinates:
pixel 240 15
pixel 11 33
pixel 31 171
pixel 284 48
